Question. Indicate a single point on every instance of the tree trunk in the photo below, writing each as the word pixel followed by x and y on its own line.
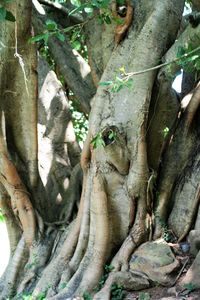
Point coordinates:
pixel 120 207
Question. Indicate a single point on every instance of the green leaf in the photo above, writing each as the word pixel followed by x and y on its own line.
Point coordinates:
pixel 75 2
pixel 88 9
pixel 39 37
pixel 120 2
pixel 51 25
pixel 129 83
pixel 60 36
pixel 194 57
pixel 117 87
pixel 107 19
pixel 105 83
pixel 76 45
pixel 77 9
pixel 180 52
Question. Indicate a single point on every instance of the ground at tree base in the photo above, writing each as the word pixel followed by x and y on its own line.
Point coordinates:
pixel 161 293
pixel 166 293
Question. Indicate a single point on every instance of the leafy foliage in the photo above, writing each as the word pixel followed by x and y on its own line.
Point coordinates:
pixel 51 28
pixel 87 296
pixel 117 84
pixel 80 124
pixel 189 63
pixel 103 6
pixel 98 141
pixel 107 270
pixel 117 292
pixel 120 81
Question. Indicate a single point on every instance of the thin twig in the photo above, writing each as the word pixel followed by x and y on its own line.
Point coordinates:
pixel 181 271
pixel 131 74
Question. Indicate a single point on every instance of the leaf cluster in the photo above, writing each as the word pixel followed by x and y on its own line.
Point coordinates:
pixel 118 83
pixel 107 270
pixel 89 6
pixel 189 63
pixel 98 141
pixel 87 296
pixel 103 6
pixel 80 124
pixel 51 28
pixel 117 292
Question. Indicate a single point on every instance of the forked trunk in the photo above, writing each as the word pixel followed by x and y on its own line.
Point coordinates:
pixel 120 160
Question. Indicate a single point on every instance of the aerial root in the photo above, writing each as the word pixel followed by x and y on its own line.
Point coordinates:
pixel 124 279
pixel 90 269
pixel 14 269
pixel 82 239
pixel 38 258
pixel 51 275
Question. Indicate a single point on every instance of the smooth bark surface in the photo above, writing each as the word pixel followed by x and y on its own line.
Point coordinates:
pixel 137 186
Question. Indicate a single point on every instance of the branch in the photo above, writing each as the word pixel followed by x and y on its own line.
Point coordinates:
pixel 73 68
pixel 76 18
pixel 131 74
pixel 190 35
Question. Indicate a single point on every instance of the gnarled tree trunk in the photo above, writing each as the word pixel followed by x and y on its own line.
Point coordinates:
pixel 119 207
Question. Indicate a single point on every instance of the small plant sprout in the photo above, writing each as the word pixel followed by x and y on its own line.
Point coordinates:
pixel 120 81
pixel 117 292
pixel 98 141
pixel 184 55
pixel 87 296
pixel 104 138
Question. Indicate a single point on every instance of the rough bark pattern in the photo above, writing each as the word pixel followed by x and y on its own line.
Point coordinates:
pixel 18 85
pixel 115 210
pixel 74 69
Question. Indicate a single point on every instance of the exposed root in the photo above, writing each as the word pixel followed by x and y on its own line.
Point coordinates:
pixel 13 271
pixel 83 236
pixel 51 275
pixel 13 228
pixel 97 250
pixel 20 201
pixel 38 258
pixel 121 259
pixel 124 279
pixel 195 207
pixel 101 244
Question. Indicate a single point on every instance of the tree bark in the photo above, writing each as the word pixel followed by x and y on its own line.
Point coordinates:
pixel 120 190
